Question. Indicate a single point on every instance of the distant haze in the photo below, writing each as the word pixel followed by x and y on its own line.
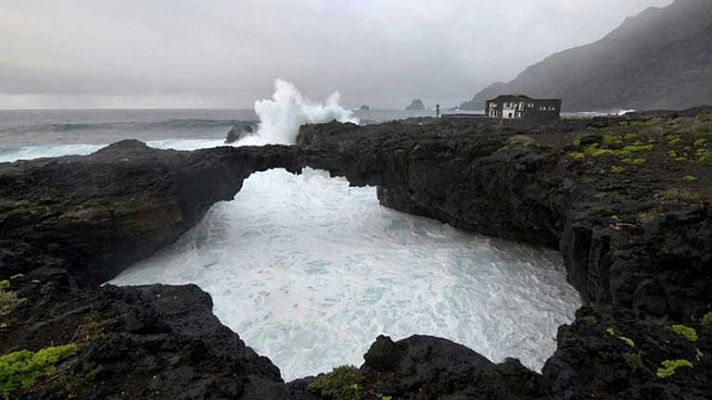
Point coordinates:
pixel 220 53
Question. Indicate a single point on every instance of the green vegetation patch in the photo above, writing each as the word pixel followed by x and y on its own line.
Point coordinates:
pixel 617 169
pixel 689 178
pixel 678 196
pixel 634 360
pixel 520 140
pixel 707 320
pixel 645 148
pixel 343 383
pixel 595 151
pixel 635 161
pixel 8 301
pixel 628 341
pixel 704 156
pixel 669 367
pixel 648 217
pixel 685 331
pixel 577 155
pixel 20 370
pixel 612 140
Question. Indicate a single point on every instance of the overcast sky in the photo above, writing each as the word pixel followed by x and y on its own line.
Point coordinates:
pixel 220 53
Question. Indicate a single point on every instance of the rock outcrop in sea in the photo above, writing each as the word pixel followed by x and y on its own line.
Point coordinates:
pixel 239 132
pixel 416 105
pixel 625 200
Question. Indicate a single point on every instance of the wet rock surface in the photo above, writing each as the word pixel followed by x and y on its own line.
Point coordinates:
pixel 637 244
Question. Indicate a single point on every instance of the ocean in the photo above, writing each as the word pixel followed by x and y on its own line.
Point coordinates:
pixel 30 134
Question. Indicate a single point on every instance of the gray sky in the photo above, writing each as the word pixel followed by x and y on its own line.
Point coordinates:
pixel 220 53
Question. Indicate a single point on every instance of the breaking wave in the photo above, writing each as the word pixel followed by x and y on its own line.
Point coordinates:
pixel 281 116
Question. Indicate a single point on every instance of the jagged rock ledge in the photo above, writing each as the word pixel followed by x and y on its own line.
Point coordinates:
pixel 636 243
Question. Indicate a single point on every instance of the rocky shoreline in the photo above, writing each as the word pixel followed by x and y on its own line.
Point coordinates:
pixel 625 200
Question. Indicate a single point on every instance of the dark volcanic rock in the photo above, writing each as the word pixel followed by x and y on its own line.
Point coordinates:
pixel 158 342
pixel 71 223
pixel 238 132
pixel 424 367
pixel 98 214
pixel 149 342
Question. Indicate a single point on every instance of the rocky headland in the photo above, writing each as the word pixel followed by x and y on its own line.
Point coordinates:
pixel 625 200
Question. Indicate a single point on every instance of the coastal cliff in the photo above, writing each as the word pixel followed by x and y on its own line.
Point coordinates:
pixel 635 235
pixel 659 59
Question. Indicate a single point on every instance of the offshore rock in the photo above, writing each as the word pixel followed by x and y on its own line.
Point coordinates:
pixel 239 132
pixel 416 105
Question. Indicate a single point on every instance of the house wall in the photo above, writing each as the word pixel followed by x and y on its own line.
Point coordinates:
pixel 544 110
pixel 511 108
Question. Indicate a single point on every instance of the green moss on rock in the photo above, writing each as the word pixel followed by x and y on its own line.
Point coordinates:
pixel 634 360
pixel 19 370
pixel 707 320
pixel 689 178
pixel 343 383
pixel 686 332
pixel 628 341
pixel 669 367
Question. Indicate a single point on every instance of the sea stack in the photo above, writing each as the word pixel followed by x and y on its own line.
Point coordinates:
pixel 416 105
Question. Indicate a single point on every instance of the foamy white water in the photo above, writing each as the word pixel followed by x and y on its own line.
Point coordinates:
pixel 281 116
pixel 310 271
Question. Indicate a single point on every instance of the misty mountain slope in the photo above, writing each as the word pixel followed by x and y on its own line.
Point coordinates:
pixel 661 58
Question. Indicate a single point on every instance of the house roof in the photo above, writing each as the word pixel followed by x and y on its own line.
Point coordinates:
pixel 510 97
pixel 517 97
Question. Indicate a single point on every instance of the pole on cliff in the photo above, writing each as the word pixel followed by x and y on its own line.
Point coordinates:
pixel 437 111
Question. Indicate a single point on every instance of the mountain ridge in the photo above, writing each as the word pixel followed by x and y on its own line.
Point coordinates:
pixel 661 58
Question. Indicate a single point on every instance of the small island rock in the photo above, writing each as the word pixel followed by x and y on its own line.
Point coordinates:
pixel 416 105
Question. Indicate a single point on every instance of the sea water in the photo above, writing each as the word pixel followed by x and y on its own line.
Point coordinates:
pixel 309 271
